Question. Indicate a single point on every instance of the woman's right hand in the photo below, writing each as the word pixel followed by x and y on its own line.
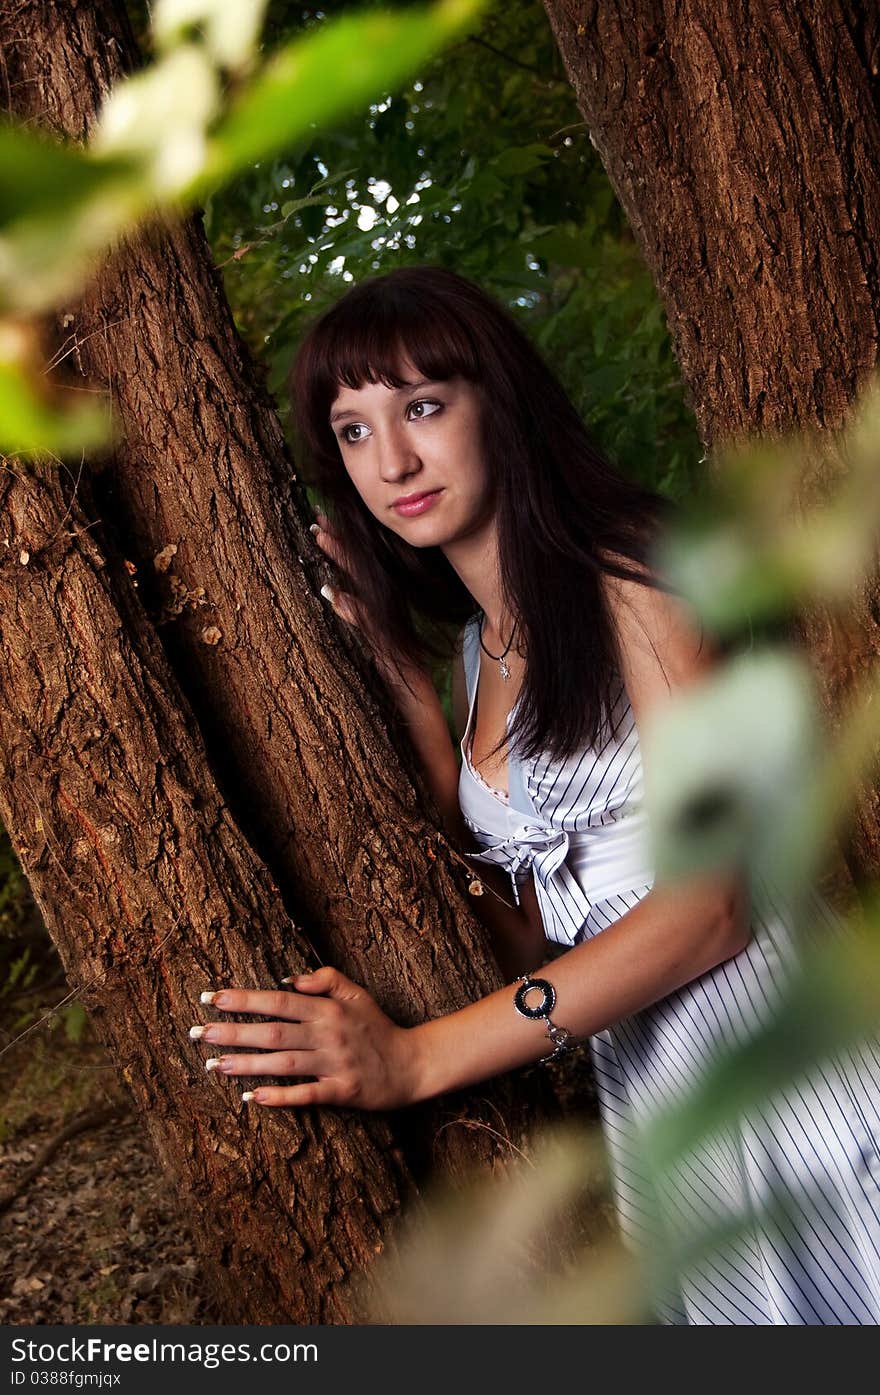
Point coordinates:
pixel 328 541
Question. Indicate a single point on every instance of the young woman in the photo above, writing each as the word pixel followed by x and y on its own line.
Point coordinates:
pixel 465 491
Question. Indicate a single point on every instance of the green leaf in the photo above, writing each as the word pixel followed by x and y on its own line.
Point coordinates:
pixel 60 208
pixel 486 185
pixel 564 249
pixel 40 176
pixel 16 971
pixel 75 1019
pixel 295 205
pixel 319 78
pixel 520 159
pixel 733 802
pixel 606 380
pixel 29 423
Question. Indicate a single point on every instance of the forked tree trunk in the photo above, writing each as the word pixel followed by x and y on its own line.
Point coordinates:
pixel 137 861
pixel 743 142
pixel 149 891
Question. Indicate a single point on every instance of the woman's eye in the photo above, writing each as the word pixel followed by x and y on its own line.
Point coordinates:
pixel 349 439
pixel 424 408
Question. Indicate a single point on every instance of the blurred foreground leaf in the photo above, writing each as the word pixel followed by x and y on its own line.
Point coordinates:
pixel 788 522
pixel 33 421
pixel 490 1253
pixel 59 205
pixel 831 1003
pixel 154 147
pixel 728 765
pixel 315 80
pixel 230 31
pixel 39 175
pixel 159 118
pixel 162 141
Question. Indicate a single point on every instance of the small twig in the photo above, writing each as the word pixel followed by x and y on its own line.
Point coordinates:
pixel 572 126
pixel 90 1119
pixel 74 342
pixel 474 876
pixel 487 1128
pixel 46 1016
pixel 75 992
pixel 516 62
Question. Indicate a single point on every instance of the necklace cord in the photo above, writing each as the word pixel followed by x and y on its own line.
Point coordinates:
pixel 496 657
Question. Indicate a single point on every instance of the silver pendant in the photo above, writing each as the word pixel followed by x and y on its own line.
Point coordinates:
pixel 505 671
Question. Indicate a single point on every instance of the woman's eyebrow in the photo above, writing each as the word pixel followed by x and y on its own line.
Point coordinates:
pixel 404 387
pixel 421 382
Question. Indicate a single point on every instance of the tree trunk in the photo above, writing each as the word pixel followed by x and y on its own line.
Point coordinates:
pixel 149 889
pixel 115 741
pixel 743 143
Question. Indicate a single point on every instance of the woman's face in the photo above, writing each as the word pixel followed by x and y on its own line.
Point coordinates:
pixel 415 456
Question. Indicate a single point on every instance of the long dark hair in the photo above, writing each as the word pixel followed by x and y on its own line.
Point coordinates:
pixel 564 515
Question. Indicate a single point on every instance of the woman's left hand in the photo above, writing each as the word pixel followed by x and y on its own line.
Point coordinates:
pixel 328 1028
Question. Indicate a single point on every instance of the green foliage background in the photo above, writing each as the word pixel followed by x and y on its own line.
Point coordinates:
pixel 495 176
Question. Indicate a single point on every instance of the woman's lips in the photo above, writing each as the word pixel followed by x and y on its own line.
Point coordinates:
pixel 418 505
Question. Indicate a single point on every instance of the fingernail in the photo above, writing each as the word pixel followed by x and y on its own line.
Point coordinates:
pixel 214 1063
pixel 249 1095
pixel 314 528
pixel 328 593
pixel 196 1033
pixel 208 997
pixel 292 979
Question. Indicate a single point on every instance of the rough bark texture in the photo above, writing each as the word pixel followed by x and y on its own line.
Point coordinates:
pixel 743 142
pixel 150 891
pixel 282 713
pixel 295 730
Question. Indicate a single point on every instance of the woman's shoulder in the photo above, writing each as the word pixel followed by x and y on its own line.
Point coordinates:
pixel 660 641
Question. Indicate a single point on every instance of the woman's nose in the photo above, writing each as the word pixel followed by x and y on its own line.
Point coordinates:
pixel 397 457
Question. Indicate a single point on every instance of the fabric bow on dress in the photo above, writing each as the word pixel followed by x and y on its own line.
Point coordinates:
pixel 561 898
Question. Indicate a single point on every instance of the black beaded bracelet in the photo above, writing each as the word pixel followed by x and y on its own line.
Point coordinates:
pixel 561 1037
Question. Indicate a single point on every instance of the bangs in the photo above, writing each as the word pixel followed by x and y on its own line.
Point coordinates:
pixel 367 337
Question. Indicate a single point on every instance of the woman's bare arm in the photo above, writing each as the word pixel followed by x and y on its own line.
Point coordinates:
pixel 517 933
pixel 333 1030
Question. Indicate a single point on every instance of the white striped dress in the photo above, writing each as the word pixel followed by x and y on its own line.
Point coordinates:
pixel 811 1152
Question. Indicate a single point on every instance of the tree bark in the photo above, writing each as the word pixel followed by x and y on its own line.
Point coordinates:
pixel 145 759
pixel 149 890
pixel 743 143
